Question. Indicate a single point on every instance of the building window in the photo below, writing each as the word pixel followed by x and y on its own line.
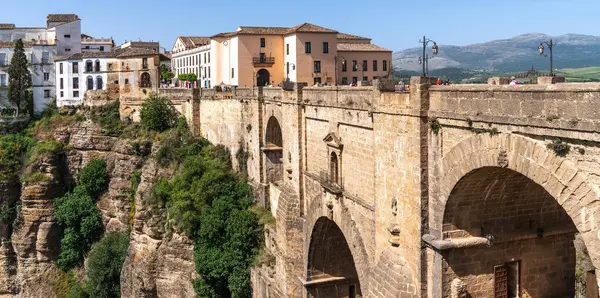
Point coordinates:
pixel 287 68
pixel 89 66
pixel 90 83
pixel 365 79
pixel 101 48
pixel 75 83
pixel 354 65
pixel 232 73
pixel 2 59
pixel 75 68
pixel 46 93
pixel 209 57
pixel 99 83
pixel 325 47
pixel 374 65
pixel 97 66
pixel 32 58
pixel 126 81
pixel 62 83
pixel 62 94
pixel 317 66
pixel 333 169
pixel 60 68
pixel 46 76
pixel 204 58
pixel 307 48
pixel 67 49
pixel 262 42
pixel 75 94
pixel 145 63
pixel 384 65
pixel 45 57
pixel 364 65
pixel 109 66
pixel 344 65
pixel 344 80
pixel 317 81
pixel 209 71
pixel 145 80
pixel 354 80
pixel 2 80
pixel 67 35
pixel 287 49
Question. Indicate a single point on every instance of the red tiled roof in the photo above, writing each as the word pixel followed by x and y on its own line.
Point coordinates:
pixel 262 30
pixel 62 18
pixel 224 34
pixel 360 47
pixel 191 42
pixel 350 36
pixel 11 44
pixel 116 53
pixel 310 28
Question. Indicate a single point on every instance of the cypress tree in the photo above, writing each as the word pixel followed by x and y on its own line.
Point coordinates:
pixel 19 78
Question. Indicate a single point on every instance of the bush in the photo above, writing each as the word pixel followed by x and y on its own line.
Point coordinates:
pixel 12 150
pixel 94 177
pixel 104 265
pixel 44 148
pixel 109 118
pixel 158 113
pixel 77 213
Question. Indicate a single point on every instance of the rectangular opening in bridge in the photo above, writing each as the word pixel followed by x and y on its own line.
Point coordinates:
pixel 352 291
pixel 506 280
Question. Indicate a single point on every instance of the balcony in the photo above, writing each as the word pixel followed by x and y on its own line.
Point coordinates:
pixel 263 60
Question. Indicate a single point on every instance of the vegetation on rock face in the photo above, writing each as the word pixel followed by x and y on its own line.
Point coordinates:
pixel 104 266
pixel 19 80
pixel 136 178
pixel 158 113
pixel 109 118
pixel 13 147
pixel 77 213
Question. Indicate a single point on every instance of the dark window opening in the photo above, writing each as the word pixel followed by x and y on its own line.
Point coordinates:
pixel 344 65
pixel 325 47
pixel 307 48
pixel 287 49
pixel 354 65
pixel 263 43
pixel 317 66
pixel 384 65
pixel 374 65
pixel 364 65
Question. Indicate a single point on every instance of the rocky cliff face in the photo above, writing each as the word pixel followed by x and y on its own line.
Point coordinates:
pixel 157 265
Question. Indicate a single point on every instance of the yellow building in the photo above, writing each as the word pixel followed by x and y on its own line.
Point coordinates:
pixel 262 56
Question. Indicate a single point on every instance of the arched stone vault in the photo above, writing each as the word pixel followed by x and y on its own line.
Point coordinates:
pixel 559 176
pixel 342 217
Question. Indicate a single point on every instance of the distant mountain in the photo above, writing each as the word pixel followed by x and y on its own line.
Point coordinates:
pixel 517 54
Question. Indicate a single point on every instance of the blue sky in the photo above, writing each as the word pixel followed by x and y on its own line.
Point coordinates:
pixel 395 24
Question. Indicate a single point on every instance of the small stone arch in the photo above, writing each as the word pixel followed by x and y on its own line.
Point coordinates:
pixel 274 150
pixel 319 211
pixel 559 176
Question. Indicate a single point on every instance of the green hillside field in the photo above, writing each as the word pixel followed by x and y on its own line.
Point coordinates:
pixel 586 74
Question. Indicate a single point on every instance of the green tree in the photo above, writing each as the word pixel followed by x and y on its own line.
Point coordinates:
pixel 158 113
pixel 94 177
pixel 19 78
pixel 105 262
pixel 166 73
pixel 189 77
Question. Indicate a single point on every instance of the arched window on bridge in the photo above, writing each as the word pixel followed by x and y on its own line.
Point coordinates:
pixel 274 151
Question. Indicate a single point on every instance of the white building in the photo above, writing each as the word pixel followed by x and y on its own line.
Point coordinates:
pixel 191 54
pixel 79 73
pixel 61 36
pixel 91 44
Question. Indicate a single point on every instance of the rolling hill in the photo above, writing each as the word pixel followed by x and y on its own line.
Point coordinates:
pixel 517 54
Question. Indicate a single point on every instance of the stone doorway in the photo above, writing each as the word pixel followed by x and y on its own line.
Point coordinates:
pixel 274 151
pixel 331 272
pixel 509 238
pixel 263 78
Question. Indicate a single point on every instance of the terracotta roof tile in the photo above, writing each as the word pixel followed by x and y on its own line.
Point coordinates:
pixel 7 26
pixel 116 53
pixel 360 47
pixel 310 28
pixel 224 34
pixel 262 30
pixel 191 42
pixel 62 18
pixel 11 44
pixel 350 36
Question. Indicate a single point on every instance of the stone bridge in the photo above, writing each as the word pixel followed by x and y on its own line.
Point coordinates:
pixel 443 191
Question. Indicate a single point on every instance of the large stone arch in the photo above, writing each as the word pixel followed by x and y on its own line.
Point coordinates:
pixel 559 176
pixel 340 215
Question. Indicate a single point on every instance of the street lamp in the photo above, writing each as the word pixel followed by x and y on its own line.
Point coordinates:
pixel 426 63
pixel 335 68
pixel 550 45
pixel 434 49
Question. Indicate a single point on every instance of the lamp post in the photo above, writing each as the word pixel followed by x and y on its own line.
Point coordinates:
pixel 550 45
pixel 425 63
pixel 287 71
pixel 434 49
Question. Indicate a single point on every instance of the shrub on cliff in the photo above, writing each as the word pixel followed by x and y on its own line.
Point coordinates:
pixel 12 149
pixel 158 113
pixel 109 118
pixel 104 265
pixel 94 177
pixel 77 213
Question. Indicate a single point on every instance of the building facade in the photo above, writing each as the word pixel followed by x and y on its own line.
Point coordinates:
pixel 129 73
pixel 262 56
pixel 61 36
pixel 91 44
